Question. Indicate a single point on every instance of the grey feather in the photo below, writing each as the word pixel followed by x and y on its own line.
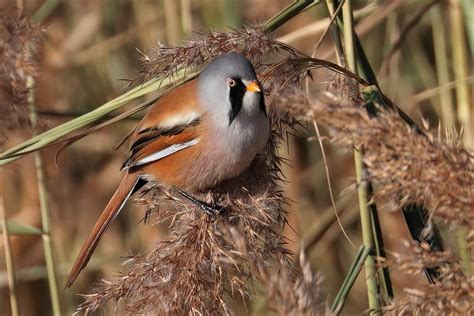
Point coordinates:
pixel 234 145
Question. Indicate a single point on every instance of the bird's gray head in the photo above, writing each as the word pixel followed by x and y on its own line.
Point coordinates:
pixel 228 87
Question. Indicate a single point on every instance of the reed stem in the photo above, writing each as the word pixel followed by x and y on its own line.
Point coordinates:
pixel 460 67
pixel 442 66
pixel 367 236
pixel 335 34
pixel 10 266
pixel 362 186
pixel 55 133
pixel 286 14
pixel 44 208
pixel 361 256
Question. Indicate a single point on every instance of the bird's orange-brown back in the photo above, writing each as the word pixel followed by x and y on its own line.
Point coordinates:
pixel 181 99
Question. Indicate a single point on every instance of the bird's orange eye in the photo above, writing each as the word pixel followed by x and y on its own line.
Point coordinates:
pixel 231 82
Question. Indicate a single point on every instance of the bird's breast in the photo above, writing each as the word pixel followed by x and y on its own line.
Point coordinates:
pixel 233 148
pixel 222 152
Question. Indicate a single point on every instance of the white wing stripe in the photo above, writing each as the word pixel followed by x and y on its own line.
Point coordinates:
pixel 179 119
pixel 166 152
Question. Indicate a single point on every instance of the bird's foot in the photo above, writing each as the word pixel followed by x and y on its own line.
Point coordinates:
pixel 210 209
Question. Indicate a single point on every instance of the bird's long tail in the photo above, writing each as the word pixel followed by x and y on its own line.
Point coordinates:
pixel 130 183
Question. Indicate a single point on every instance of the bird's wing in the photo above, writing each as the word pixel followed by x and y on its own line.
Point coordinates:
pixel 171 125
pixel 154 145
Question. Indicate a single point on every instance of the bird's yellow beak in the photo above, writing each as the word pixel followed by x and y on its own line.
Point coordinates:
pixel 253 87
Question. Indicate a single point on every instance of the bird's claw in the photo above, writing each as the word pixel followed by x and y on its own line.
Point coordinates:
pixel 210 209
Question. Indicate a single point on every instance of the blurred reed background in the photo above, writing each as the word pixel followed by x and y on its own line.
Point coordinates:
pixel 422 53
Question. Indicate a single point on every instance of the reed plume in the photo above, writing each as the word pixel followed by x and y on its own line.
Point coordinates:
pixel 205 262
pixel 407 167
pixel 452 295
pixel 20 46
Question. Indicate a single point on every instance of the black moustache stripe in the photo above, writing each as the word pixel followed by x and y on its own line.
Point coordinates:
pixel 236 97
pixel 262 105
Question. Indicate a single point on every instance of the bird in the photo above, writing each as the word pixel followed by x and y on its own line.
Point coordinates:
pixel 198 134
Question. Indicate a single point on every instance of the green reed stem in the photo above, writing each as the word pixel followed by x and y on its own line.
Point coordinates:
pixel 442 65
pixel 335 34
pixel 367 235
pixel 286 14
pixel 44 208
pixel 8 254
pixel 43 139
pixel 45 10
pixel 362 186
pixel 20 229
pixel 461 67
pixel 468 13
pixel 369 219
pixel 361 256
pixel 348 32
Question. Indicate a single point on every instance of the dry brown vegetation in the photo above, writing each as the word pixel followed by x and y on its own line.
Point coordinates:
pixel 397 153
pixel 20 45
pixel 454 293
pixel 409 167
pixel 208 261
pixel 248 259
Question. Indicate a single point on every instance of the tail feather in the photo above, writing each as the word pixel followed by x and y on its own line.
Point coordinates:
pixel 116 203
